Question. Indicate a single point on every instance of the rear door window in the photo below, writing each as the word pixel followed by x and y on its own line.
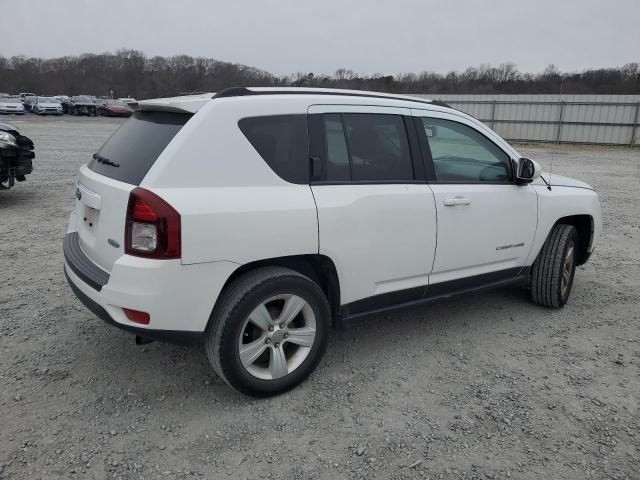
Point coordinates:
pixel 364 147
pixel 283 143
pixel 130 152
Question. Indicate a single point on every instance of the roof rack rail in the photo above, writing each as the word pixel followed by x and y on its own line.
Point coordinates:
pixel 233 92
pixel 440 103
pixel 244 91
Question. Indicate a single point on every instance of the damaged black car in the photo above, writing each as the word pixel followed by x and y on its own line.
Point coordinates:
pixel 83 105
pixel 16 156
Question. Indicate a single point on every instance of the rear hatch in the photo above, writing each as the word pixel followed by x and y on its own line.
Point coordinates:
pixel 117 168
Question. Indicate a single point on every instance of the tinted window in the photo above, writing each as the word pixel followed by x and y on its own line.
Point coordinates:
pixel 461 154
pixel 376 146
pixel 136 145
pixel 282 141
pixel 337 155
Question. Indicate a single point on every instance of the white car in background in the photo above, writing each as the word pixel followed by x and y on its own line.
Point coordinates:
pixel 128 101
pixel 11 105
pixel 47 106
pixel 255 219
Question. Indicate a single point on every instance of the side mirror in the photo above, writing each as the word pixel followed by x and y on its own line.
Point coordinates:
pixel 527 170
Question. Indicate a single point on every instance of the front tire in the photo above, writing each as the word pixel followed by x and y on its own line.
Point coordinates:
pixel 268 331
pixel 554 269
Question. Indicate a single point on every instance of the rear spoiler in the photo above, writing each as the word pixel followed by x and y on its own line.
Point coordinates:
pixel 186 104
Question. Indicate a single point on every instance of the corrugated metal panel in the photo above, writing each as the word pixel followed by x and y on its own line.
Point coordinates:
pixel 603 119
pixel 479 110
pixel 595 134
pixel 520 131
pixel 535 97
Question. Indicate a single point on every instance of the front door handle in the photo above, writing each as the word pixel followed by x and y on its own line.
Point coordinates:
pixel 458 200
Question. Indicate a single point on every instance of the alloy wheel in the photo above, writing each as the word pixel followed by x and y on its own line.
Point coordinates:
pixel 567 269
pixel 277 337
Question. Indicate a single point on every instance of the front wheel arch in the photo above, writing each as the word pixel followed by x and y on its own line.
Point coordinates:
pixel 553 271
pixel 584 226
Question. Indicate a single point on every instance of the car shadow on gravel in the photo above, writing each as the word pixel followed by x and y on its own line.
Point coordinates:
pixel 107 360
pixel 14 198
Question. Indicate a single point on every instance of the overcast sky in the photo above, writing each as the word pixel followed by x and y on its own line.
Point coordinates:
pixel 384 36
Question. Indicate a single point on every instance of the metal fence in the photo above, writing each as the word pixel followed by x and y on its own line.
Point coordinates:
pixel 590 119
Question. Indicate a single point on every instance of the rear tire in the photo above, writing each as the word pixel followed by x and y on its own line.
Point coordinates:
pixel 268 331
pixel 553 271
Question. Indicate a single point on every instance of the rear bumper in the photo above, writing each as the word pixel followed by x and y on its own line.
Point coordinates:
pixel 179 298
pixel 171 336
pixel 84 268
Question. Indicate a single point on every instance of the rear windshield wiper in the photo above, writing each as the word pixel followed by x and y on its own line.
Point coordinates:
pixel 105 160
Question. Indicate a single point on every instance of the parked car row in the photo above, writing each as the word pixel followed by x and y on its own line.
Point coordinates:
pixel 63 104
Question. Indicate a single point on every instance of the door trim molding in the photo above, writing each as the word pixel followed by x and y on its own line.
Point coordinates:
pixel 392 301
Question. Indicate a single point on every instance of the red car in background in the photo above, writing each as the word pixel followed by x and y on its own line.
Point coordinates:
pixel 113 108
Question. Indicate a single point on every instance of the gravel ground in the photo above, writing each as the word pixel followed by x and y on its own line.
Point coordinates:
pixel 485 386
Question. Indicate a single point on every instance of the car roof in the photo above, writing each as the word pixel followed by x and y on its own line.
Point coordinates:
pixel 193 103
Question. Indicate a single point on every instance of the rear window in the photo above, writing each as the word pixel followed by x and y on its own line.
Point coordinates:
pixel 283 142
pixel 135 146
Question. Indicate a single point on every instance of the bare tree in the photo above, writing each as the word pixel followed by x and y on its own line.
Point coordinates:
pixel 131 73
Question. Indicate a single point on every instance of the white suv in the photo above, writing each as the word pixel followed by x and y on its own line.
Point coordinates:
pixel 255 219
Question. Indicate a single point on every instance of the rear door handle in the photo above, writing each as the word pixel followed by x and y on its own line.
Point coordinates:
pixel 458 200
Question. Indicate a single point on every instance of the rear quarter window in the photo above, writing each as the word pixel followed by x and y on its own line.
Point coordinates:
pixel 136 145
pixel 283 143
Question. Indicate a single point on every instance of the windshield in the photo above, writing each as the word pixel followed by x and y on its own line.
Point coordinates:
pixel 82 98
pixel 9 100
pixel 47 100
pixel 114 102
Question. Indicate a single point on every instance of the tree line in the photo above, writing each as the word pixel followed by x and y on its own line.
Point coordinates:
pixel 130 73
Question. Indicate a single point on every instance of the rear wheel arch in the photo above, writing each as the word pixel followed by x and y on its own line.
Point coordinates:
pixel 319 268
pixel 257 348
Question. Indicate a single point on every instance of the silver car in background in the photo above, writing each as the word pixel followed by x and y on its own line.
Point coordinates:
pixel 47 106
pixel 11 105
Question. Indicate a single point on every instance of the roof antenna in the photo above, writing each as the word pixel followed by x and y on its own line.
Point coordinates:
pixel 550 171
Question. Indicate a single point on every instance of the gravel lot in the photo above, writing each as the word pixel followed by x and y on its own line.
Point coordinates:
pixel 486 386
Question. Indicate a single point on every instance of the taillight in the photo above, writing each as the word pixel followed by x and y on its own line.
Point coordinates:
pixel 152 226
